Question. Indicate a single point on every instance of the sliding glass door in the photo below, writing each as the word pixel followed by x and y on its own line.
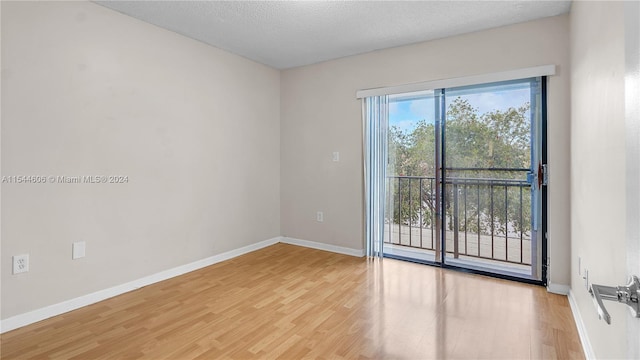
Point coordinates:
pixel 464 177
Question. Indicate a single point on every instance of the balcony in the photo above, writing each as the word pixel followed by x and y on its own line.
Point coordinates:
pixel 487 222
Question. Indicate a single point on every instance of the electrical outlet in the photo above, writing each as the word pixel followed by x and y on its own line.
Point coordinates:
pixel 20 263
pixel 78 250
pixel 319 216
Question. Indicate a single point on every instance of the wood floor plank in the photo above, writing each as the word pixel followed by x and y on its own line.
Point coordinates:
pixel 291 302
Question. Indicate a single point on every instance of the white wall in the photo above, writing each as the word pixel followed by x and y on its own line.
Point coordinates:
pixel 598 165
pixel 88 91
pixel 632 130
pixel 320 114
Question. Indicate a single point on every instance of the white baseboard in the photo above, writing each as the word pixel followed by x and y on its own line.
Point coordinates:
pixel 31 317
pixel 558 289
pixel 582 330
pixel 322 246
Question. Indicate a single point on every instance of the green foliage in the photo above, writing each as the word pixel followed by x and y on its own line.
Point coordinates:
pixel 497 139
pixel 412 154
pixel 493 140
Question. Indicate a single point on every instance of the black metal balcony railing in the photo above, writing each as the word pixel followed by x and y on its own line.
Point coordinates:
pixel 484 218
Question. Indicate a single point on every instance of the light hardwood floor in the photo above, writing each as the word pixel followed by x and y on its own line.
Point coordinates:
pixel 291 302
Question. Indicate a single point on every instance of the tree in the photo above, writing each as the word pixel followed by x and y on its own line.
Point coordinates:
pixel 497 139
pixel 413 154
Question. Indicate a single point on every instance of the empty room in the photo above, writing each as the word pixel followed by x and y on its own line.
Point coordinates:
pixel 320 179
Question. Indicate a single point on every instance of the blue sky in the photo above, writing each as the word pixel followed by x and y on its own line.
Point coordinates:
pixel 406 114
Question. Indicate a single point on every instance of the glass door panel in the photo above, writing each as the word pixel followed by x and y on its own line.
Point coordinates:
pixel 410 209
pixel 491 137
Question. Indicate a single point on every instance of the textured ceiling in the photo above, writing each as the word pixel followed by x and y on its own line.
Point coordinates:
pixel 285 34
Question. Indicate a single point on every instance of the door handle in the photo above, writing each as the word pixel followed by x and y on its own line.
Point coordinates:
pixel 540 175
pixel 628 294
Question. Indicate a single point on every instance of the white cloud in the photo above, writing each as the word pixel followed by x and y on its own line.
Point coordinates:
pixel 491 101
pixel 422 109
pixel 405 125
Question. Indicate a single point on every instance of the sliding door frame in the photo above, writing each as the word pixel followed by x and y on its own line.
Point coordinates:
pixel 440 175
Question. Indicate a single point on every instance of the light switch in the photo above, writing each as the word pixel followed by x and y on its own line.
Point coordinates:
pixel 336 156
